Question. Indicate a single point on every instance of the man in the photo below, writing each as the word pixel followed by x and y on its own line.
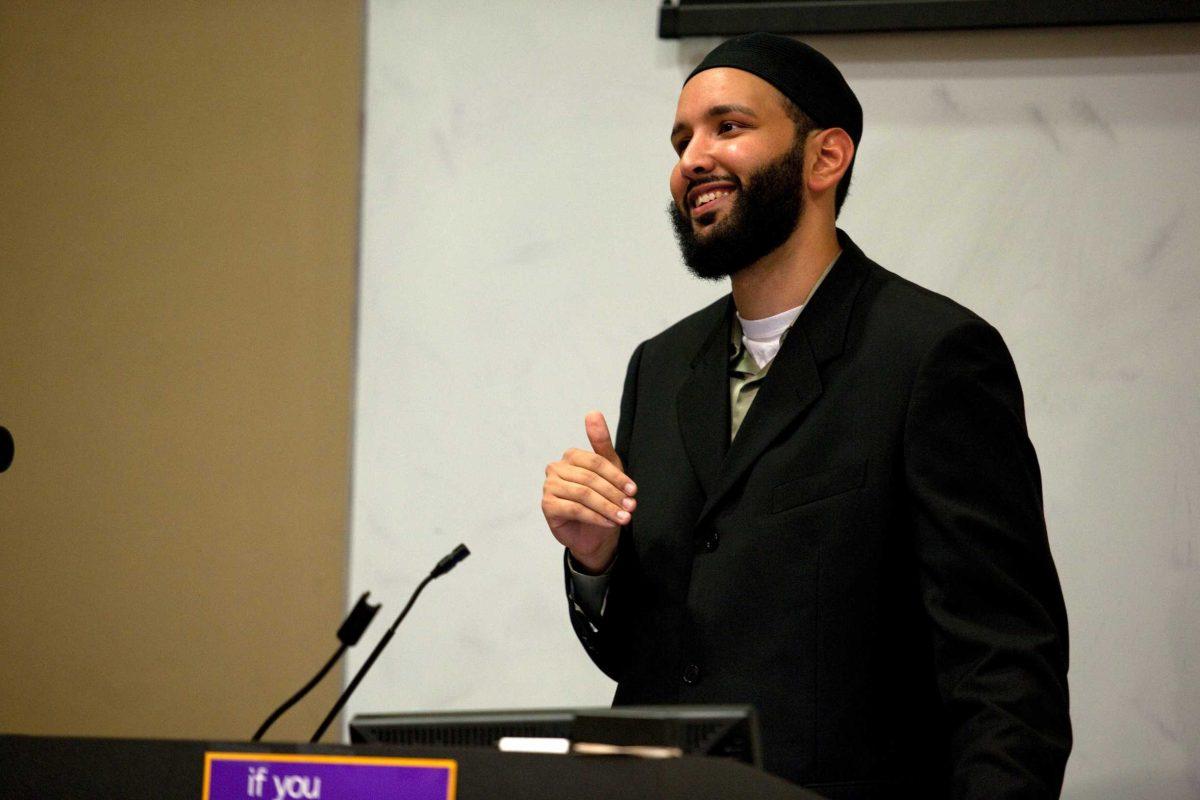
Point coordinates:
pixel 822 499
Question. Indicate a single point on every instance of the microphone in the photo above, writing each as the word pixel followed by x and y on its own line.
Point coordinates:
pixel 6 448
pixel 445 565
pixel 449 562
pixel 348 634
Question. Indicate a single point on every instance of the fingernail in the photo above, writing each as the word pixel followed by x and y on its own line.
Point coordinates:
pixel 630 488
pixel 628 504
pixel 623 516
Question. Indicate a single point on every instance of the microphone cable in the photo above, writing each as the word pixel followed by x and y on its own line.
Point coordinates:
pixel 445 565
pixel 348 634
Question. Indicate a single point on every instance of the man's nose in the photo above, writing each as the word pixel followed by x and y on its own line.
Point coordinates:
pixel 696 160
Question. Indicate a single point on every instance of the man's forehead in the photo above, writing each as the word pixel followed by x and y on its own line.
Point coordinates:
pixel 725 86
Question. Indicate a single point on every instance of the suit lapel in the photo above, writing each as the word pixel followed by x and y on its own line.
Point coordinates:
pixel 702 404
pixel 794 382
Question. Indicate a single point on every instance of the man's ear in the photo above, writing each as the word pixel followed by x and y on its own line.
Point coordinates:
pixel 830 152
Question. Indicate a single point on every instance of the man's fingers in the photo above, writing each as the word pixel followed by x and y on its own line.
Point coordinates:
pixel 589 489
pixel 586 477
pixel 585 496
pixel 598 436
pixel 601 466
pixel 559 511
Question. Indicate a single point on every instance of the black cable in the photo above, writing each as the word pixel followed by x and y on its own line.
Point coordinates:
pixel 387 637
pixel 348 634
pixel 445 565
pixel 298 696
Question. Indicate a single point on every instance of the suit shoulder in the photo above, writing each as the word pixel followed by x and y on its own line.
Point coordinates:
pixel 692 329
pixel 916 313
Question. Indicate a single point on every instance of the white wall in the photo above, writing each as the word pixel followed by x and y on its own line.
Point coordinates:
pixel 515 248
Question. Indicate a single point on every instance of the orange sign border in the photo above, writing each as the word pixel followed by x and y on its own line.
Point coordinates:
pixel 449 764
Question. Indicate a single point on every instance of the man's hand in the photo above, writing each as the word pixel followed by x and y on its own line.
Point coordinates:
pixel 587 497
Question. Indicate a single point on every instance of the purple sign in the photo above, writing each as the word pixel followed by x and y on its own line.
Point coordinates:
pixel 270 776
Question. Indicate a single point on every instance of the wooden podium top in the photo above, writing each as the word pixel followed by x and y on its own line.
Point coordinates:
pixel 133 769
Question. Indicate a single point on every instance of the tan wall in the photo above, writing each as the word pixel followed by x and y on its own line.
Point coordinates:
pixel 178 225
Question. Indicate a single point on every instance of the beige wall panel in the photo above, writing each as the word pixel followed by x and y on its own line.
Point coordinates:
pixel 178 215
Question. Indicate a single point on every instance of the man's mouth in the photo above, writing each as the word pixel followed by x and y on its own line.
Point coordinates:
pixel 708 198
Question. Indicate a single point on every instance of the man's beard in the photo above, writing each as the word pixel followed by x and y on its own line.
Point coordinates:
pixel 764 213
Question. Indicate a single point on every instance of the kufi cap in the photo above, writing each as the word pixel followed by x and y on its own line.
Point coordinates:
pixel 803 75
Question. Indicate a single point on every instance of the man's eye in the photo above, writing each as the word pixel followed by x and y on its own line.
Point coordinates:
pixel 681 145
pixel 726 127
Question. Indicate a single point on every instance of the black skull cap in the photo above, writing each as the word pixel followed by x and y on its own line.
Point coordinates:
pixel 801 73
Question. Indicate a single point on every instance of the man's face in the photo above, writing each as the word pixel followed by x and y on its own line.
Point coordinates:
pixel 738 186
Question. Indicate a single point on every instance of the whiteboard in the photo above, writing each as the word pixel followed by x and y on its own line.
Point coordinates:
pixel 515 249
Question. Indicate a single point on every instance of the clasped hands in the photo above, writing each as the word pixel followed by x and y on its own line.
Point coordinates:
pixel 587 497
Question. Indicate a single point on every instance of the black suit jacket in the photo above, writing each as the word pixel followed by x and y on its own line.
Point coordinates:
pixel 867 563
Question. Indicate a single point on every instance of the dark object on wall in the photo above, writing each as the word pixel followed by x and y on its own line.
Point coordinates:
pixel 680 18
pixel 6 449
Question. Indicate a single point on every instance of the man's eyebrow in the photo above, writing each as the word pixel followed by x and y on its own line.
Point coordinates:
pixel 718 111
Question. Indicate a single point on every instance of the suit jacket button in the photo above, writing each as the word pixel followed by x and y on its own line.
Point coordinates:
pixel 710 544
pixel 691 674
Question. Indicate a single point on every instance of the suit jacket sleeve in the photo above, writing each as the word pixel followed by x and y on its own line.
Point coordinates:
pixel 603 638
pixel 988 582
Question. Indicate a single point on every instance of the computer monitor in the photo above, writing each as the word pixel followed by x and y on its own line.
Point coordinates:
pixel 728 731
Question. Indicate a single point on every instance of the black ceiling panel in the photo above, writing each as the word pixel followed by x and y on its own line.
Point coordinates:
pixel 680 18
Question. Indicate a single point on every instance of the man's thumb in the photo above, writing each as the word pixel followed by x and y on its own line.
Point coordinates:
pixel 601 441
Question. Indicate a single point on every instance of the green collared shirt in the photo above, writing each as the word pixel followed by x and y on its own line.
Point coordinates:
pixel 745 376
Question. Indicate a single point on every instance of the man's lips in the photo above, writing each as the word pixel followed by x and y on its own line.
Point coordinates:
pixel 708 197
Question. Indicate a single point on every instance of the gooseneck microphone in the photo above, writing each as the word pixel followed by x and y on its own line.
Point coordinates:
pixel 351 631
pixel 445 565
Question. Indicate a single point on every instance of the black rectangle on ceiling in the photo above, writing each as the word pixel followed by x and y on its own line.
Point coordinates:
pixel 680 18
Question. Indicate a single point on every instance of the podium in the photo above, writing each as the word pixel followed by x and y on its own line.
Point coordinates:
pixel 141 769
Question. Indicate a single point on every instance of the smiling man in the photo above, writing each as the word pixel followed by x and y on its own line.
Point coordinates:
pixel 822 499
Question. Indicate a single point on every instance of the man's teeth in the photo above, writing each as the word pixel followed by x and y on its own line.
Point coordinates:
pixel 708 197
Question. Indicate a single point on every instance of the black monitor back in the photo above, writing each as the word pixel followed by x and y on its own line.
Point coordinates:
pixel 729 731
